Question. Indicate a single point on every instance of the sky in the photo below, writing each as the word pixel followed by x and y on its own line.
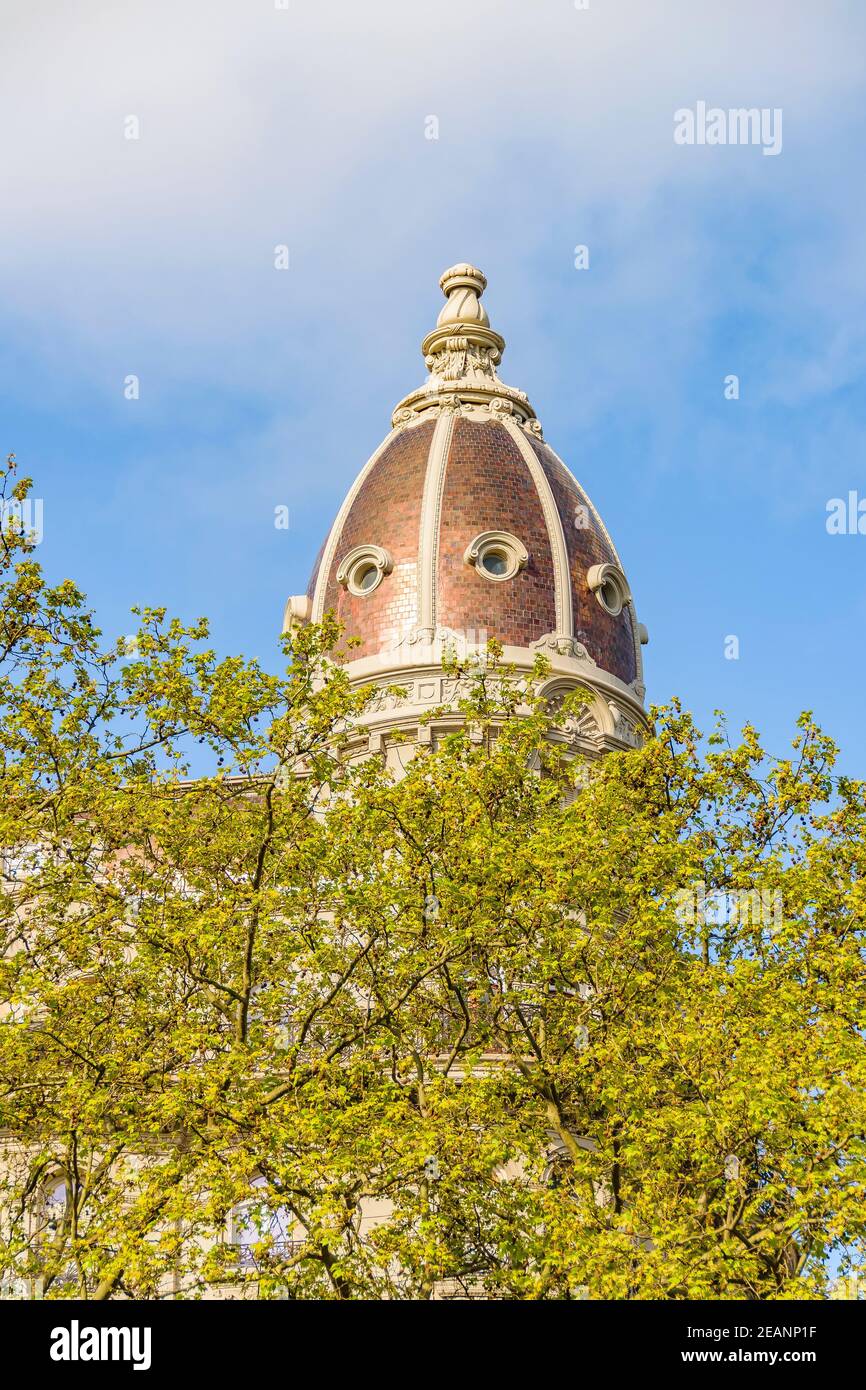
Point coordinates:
pixel 263 124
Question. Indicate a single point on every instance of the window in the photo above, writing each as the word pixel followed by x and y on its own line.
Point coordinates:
pixel 363 569
pixel 55 1199
pixel 610 587
pixel 495 563
pixel 259 1232
pixel 496 555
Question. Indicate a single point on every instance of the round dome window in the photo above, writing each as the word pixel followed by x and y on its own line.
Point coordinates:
pixel 495 563
pixel 610 596
pixel 364 568
pixel 610 587
pixel 365 576
pixel 496 555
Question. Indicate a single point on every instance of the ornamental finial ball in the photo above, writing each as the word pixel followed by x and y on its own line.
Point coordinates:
pixel 463 286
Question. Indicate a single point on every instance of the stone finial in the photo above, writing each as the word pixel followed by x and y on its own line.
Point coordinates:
pixel 461 354
pixel 462 344
pixel 463 286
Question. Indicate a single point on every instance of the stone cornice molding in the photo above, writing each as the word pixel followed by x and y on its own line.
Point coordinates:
pixel 613 718
pixel 407 659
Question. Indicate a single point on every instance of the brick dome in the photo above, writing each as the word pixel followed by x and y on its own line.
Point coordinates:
pixel 465 525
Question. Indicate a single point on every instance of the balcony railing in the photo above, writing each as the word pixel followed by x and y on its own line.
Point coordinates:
pixel 246 1256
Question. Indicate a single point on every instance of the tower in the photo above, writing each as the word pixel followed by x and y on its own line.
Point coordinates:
pixel 464 525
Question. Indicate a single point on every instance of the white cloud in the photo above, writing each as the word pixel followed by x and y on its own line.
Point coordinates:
pixel 306 126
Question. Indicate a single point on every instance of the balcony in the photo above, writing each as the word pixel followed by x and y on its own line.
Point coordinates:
pixel 255 1256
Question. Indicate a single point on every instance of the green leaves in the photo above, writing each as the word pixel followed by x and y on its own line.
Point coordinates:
pixel 453 1030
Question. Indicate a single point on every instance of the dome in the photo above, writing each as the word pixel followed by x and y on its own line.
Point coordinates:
pixel 466 526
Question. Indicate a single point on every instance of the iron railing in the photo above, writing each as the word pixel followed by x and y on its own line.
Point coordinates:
pixel 247 1256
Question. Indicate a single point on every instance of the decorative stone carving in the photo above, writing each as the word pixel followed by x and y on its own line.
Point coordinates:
pixel 624 728
pixel 502 544
pixel 585 728
pixel 564 645
pixel 464 350
pixel 610 587
pixel 384 701
pixel 463 286
pixel 582 724
pixel 455 688
pixel 430 647
pixel 459 358
pixel 363 568
pixel 297 612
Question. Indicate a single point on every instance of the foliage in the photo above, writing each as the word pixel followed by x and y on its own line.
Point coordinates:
pixel 457 1031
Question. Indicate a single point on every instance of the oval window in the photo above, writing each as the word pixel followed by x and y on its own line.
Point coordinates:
pixel 496 555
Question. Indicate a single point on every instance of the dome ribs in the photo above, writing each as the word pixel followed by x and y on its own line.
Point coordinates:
pixel 609 641
pixel 385 512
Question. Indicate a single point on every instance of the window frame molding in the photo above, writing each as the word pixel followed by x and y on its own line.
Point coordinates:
pixel 364 555
pixel 499 541
pixel 598 576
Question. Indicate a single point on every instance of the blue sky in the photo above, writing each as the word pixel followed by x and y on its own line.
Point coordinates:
pixel 260 388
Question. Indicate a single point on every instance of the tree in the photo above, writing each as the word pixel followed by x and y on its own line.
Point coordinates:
pixel 512 1025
